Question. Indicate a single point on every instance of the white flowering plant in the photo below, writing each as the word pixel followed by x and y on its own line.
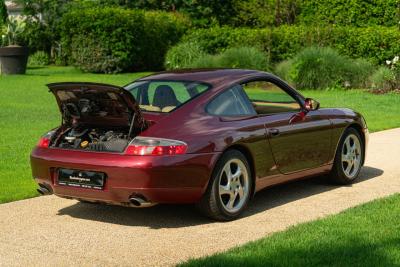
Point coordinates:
pixel 387 78
pixel 394 64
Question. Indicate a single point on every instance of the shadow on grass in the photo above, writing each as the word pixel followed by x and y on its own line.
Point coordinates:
pixel 175 216
pixel 351 251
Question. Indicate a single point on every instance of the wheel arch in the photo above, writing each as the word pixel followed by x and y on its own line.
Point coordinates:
pixel 360 131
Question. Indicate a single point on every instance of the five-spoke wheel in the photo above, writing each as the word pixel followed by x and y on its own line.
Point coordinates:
pixel 233 185
pixel 230 187
pixel 349 157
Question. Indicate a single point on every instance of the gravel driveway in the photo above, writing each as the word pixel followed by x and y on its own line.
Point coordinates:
pixel 54 231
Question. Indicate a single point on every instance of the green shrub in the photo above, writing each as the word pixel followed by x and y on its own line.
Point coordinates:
pixel 207 61
pixel 90 56
pixel 126 40
pixel 358 72
pixel 388 77
pixel 245 58
pixel 282 69
pixel 190 55
pixel 375 44
pixel 264 13
pixel 384 79
pixel 238 57
pixel 39 59
pixel 183 55
pixel 324 67
pixel 315 68
pixel 349 12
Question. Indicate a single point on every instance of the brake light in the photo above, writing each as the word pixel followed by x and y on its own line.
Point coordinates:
pixel 45 140
pixel 155 146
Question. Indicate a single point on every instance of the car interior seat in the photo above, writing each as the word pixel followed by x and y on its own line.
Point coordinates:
pixel 164 96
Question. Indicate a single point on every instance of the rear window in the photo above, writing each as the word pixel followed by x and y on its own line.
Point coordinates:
pixel 164 96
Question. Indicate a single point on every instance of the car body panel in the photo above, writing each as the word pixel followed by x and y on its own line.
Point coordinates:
pixel 300 145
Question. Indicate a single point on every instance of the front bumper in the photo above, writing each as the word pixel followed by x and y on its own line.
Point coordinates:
pixel 159 179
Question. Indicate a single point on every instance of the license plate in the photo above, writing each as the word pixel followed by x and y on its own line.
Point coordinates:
pixel 83 179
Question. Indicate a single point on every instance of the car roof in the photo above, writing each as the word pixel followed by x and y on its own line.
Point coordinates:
pixel 215 77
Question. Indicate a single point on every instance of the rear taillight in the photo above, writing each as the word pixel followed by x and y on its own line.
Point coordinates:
pixel 145 146
pixel 44 141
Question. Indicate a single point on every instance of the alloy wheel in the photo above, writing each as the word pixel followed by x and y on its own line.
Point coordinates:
pixel 351 156
pixel 233 185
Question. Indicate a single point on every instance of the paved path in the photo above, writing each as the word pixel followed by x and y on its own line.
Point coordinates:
pixel 54 231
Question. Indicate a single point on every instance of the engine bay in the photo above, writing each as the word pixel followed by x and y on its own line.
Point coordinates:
pixel 92 139
pixel 96 117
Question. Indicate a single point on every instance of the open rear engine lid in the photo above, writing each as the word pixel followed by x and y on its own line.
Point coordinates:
pixel 96 104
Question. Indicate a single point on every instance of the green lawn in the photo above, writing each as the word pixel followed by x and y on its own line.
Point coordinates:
pixel 27 111
pixel 367 235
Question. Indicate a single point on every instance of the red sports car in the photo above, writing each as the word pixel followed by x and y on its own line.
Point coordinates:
pixel 211 137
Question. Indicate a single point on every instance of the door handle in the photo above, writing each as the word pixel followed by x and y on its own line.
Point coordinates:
pixel 273 132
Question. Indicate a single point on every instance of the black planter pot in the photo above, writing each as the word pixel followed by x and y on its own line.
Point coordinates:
pixel 13 59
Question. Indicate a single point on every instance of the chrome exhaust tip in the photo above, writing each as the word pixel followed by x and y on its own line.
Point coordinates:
pixel 140 202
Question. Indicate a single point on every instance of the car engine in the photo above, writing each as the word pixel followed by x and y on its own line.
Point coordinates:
pixel 93 140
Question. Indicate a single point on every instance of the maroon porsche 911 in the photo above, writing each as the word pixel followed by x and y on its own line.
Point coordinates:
pixel 211 137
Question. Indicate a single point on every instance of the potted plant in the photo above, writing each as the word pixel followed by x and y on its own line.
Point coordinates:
pixel 13 57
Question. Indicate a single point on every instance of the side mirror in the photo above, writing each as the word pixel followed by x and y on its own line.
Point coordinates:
pixel 311 104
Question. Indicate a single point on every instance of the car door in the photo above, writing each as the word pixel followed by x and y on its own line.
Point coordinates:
pixel 299 140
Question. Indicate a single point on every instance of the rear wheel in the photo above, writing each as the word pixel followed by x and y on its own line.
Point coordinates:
pixel 229 190
pixel 349 158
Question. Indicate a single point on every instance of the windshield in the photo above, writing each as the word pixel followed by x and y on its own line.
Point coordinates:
pixel 164 96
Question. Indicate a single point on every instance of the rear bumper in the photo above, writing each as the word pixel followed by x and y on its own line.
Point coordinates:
pixel 159 179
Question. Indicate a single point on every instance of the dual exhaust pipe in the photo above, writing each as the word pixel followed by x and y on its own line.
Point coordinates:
pixel 136 200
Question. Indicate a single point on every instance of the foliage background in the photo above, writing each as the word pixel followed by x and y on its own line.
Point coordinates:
pixel 133 35
pixel 375 43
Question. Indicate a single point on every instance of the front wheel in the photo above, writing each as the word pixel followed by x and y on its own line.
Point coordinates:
pixel 230 187
pixel 349 158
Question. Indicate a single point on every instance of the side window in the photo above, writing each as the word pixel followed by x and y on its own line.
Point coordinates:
pixel 268 98
pixel 232 102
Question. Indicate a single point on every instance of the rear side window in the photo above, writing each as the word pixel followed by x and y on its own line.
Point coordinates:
pixel 232 102
pixel 164 96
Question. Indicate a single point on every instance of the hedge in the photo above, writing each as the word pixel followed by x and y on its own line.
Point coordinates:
pixel 376 43
pixel 113 39
pixel 349 12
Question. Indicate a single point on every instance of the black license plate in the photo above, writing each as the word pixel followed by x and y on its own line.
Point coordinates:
pixel 83 179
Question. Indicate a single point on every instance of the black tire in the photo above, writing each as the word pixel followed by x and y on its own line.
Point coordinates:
pixel 337 174
pixel 211 204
